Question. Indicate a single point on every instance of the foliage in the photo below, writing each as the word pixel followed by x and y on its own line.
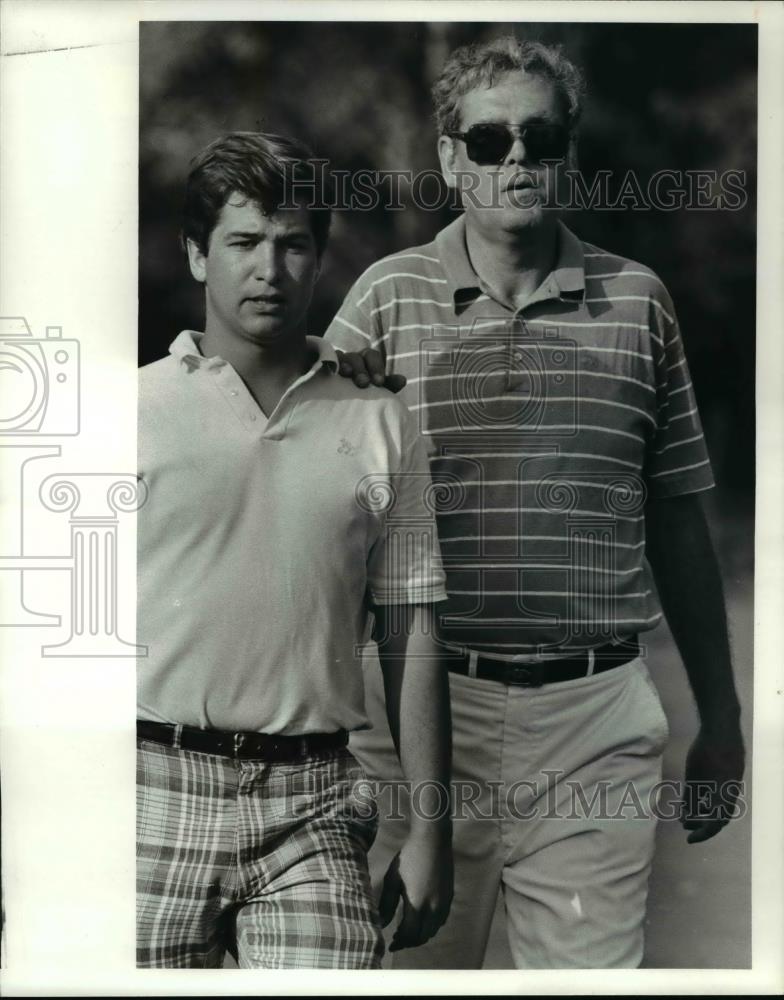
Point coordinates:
pixel 660 96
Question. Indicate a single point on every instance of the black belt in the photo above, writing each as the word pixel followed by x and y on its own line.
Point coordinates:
pixel 242 745
pixel 567 668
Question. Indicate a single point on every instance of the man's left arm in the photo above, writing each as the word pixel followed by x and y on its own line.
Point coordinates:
pixel 405 579
pixel 684 564
pixel 416 688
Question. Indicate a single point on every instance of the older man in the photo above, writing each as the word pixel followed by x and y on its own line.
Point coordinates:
pixel 550 379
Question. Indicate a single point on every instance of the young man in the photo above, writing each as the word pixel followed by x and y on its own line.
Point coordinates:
pixel 282 503
pixel 550 378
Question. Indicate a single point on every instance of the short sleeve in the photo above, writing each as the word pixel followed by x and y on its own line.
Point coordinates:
pixel 357 324
pixel 677 461
pixel 405 565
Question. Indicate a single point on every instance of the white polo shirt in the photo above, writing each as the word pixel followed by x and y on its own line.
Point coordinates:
pixel 262 541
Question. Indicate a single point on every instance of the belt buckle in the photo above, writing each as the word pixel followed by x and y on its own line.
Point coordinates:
pixel 239 739
pixel 526 674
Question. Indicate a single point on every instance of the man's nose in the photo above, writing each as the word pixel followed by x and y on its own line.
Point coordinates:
pixel 517 153
pixel 266 264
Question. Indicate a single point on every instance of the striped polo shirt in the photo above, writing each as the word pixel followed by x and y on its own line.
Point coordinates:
pixel 548 426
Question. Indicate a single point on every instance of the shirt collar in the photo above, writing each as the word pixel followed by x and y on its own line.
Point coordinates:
pixel 452 252
pixel 569 270
pixel 185 348
pixel 567 277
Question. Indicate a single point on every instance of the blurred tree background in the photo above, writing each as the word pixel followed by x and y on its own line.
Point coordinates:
pixel 660 96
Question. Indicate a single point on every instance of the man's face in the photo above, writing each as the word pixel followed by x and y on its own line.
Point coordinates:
pixel 508 196
pixel 259 272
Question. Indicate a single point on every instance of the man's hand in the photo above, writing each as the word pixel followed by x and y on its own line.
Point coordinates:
pixel 367 367
pixel 422 875
pixel 714 769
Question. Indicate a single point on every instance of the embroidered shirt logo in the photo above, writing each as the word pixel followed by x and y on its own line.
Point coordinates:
pixel 347 448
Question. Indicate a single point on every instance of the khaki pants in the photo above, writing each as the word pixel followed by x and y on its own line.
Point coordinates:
pixel 553 789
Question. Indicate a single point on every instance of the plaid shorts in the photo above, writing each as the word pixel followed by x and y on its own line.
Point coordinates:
pixel 266 860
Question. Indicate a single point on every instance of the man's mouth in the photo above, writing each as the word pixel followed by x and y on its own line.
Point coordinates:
pixel 520 182
pixel 267 303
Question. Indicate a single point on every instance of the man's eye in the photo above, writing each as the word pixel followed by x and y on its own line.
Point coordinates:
pixel 245 244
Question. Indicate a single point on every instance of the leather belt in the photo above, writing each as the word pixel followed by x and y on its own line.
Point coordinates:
pixel 567 668
pixel 241 745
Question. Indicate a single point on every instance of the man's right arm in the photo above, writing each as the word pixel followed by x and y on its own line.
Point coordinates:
pixel 358 337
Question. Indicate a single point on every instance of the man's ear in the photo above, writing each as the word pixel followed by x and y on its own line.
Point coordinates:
pixel 197 261
pixel 446 156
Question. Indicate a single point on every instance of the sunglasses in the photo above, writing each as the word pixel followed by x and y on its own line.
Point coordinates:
pixel 490 143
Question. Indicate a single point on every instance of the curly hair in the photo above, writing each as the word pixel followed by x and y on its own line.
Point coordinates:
pixel 481 64
pixel 259 165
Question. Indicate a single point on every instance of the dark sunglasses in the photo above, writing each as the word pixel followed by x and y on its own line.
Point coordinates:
pixel 490 143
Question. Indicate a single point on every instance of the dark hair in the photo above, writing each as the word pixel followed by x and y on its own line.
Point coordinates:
pixel 481 64
pixel 268 169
